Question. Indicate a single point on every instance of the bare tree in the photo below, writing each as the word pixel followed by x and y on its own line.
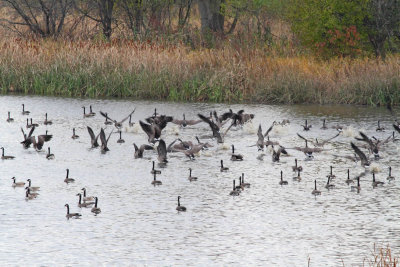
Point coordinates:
pixel 133 10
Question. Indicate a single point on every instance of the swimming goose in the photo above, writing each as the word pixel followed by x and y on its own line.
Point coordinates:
pixel 9 119
pixel 379 128
pixel 390 177
pixel 155 181
pixel 375 183
pixel 49 155
pixel 239 187
pixel 298 177
pixel 120 140
pixel 74 136
pixel 179 207
pixel 282 182
pixel 27 124
pixel 324 125
pixel 117 124
pixel 34 194
pixel 243 183
pixel 104 141
pixel 185 122
pixel 139 151
pixel 67 179
pixel 236 157
pixel 315 192
pixel 154 171
pixel 162 151
pixel 356 187
pixel 86 115
pixel 93 138
pixel 46 121
pixel 72 215
pixel 95 209
pixel 348 180
pixel 84 204
pixel 17 184
pixel 296 168
pixel 91 111
pixel 234 192
pixel 86 198
pixel 28 195
pixel 331 175
pixel 34 124
pixel 191 178
pixel 361 155
pixel 328 184
pixel 25 112
pixel 307 127
pixel 32 188
pixel 223 169
pixel 5 157
pixel 214 128
pixel 276 154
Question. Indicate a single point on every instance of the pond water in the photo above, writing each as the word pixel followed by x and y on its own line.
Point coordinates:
pixel 267 225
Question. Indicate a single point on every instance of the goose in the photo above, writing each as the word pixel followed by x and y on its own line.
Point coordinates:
pixel 162 151
pixel 315 192
pixel 282 182
pixel 319 143
pixel 329 185
pixel 308 151
pixel 154 171
pixel 130 123
pixel 236 157
pixel 191 178
pixel 331 175
pixel 104 141
pixel 190 153
pixel 120 140
pixel 139 151
pixel 27 124
pixel 260 140
pixel 34 124
pixel 243 183
pixel 17 184
pixel 239 187
pixel 298 177
pixel 214 128
pixel 32 188
pixel 84 204
pixel 107 122
pixel 117 124
pixel 348 180
pixel 93 138
pixel 25 112
pixel 28 195
pixel 34 194
pixel 155 181
pixel 223 169
pixel 49 155
pixel 5 157
pixel 153 131
pixel 307 127
pixel 356 187
pixel 324 125
pixel 296 168
pixel 85 198
pixel 67 179
pixel 95 209
pixel 41 139
pixel 91 111
pixel 46 121
pixel 390 177
pixel 276 154
pixel 234 192
pixel 72 215
pixel 179 207
pixel 379 128
pixel 374 147
pixel 184 122
pixel 375 183
pixel 9 119
pixel 74 135
pixel 86 115
pixel 361 155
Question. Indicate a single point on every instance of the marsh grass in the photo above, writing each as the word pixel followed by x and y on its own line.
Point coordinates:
pixel 176 72
pixel 382 257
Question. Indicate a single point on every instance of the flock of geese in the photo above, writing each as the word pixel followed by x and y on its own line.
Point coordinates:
pixel 366 150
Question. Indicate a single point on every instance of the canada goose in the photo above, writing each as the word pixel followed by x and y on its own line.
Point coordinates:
pixel 46 121
pixel 139 151
pixel 72 215
pixel 185 122
pixel 214 127
pixel 356 187
pixel 34 124
pixel 331 175
pixel 179 207
pixel 318 143
pixel 120 140
pixel 373 147
pixel 25 112
pixel 234 192
pixel 260 140
pixel 9 119
pixel 361 155
pixel 86 115
pixel 34 194
pixel 348 180
pixel 85 198
pixel 194 149
pixel 130 123
pixel 307 126
pixel 282 182
pixel 49 155
pixel 298 177
pixel 27 124
pixel 296 168
pixel 243 183
pixel 162 151
pixel 91 111
pixel 390 177
pixel 84 204
pixel 236 157
pixel 315 192
pixel 28 195
pixel 104 141
pixel 41 139
pixel 239 187
pixel 107 122
pixel 74 136
pixel 17 184
pixel 67 179
pixel 117 124
pixel 191 178
pixel 324 125
pixel 154 171
pixel 379 128
pixel 223 169
pixel 375 183
pixel 153 131
pixel 155 181
pixel 308 151
pixel 93 138
pixel 276 154
pixel 95 209
pixel 328 184
pixel 32 188
pixel 5 157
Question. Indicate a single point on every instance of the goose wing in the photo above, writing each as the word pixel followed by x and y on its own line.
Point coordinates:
pixel 148 129
pixel 162 150
pixel 213 126
pixel 396 127
pixel 107 117
pixel 103 138
pixel 127 117
pixel 363 158
pixel 31 131
pixel 269 130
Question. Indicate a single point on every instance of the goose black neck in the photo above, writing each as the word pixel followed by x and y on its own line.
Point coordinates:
pixel 80 198
pixel 242 177
pixel 295 162
pixel 49 150
pixel 373 177
pixel 67 172
pixel 46 116
pixel 233 184
pixel 179 203
pixel 130 118
pixel 358 181
pixel 331 170
pixel 281 175
pixel 120 135
pixel 29 182
pixel 153 165
pixel 95 202
pixel 298 173
pixel 390 171
pixel 67 208
pixel 348 174
pixel 2 153
pixel 315 184
pixel 27 121
pixel 222 163
pixel 190 172
pixel 9 114
pixel 84 110
pixel 154 176
pixel 233 149
pixel 184 118
pixel 84 192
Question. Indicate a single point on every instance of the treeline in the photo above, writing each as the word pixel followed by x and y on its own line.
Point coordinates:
pixel 325 28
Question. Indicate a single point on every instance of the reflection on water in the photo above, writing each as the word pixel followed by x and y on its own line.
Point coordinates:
pixel 266 225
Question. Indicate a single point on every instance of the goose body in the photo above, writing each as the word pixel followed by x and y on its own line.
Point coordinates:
pixel 236 157
pixel 29 196
pixel 86 198
pixel 315 192
pixel 33 194
pixel 67 179
pixel 296 168
pixel 84 204
pixel 95 209
pixel 298 177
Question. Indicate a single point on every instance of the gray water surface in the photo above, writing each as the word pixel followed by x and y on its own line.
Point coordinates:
pixel 267 225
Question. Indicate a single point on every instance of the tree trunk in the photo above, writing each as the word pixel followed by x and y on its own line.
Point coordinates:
pixel 211 15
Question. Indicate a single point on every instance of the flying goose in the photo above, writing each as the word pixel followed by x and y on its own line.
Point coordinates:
pixel 282 182
pixel 153 131
pixel 25 112
pixel 277 153
pixel 49 155
pixel 154 171
pixel 93 138
pixel 139 151
pixel 117 124
pixel 130 123
pixel 74 136
pixel 41 139
pixel 185 122
pixel 46 121
pixel 17 184
pixel 86 115
pixel 32 188
pixel 27 139
pixel 236 157
pixel 361 155
pixel 191 178
pixel 95 209
pixel 319 143
pixel 308 151
pixel 179 207
pixel 373 147
pixel 72 215
pixel 5 157
pixel 104 141
pixel 84 204
pixel 67 179
pixel 315 192
pixel 215 129
pixel 162 151
pixel 9 119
